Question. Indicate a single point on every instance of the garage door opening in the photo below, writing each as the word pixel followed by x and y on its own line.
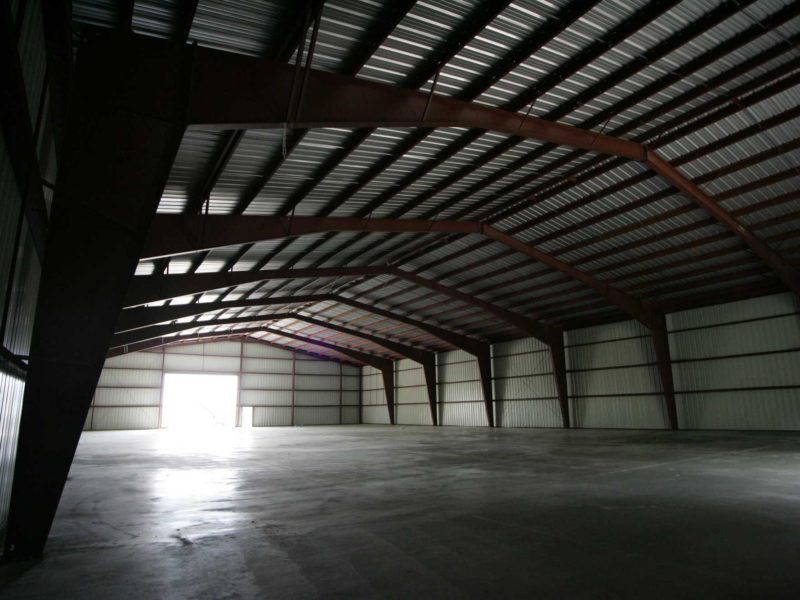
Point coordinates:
pixel 199 401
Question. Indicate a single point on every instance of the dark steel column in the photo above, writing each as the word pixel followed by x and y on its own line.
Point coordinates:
pixel 115 160
pixel 429 367
pixel 388 386
pixel 558 357
pixel 661 345
pixel 485 368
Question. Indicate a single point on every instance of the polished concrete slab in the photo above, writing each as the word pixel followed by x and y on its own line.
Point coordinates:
pixel 417 512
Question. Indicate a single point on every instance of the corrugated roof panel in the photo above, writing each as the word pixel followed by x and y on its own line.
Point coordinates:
pixel 188 168
pixel 244 26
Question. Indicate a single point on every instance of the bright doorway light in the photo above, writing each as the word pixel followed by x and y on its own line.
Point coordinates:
pixel 199 401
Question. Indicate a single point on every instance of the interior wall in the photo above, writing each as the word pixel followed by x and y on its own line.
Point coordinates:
pixel 283 387
pixel 737 365
pixel 19 263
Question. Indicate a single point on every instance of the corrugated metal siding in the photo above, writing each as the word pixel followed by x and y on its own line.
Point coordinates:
pixel 11 391
pixel 737 365
pixel 459 395
pixel 373 397
pixel 612 378
pixel 411 394
pixel 524 385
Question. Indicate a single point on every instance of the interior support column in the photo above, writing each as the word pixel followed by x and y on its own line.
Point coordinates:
pixel 116 157
pixel 661 345
pixel 429 367
pixel 558 358
pixel 485 368
pixel 388 387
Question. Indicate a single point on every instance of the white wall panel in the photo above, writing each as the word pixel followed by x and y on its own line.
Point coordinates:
pixel 781 333
pixel 608 382
pixel 130 378
pixel 528 413
pixel 133 417
pixel 317 382
pixel 12 390
pixel 743 310
pixel 468 414
pixel 127 397
pixel 413 414
pixel 467 391
pixel 266 365
pixel 350 398
pixel 265 397
pixel 748 409
pixel 351 383
pixel 521 346
pixel 211 364
pixel 257 350
pixel 535 363
pixel 526 387
pixel 350 415
pixel 316 398
pixel 317 415
pixel 270 416
pixel 765 370
pixel 376 414
pixel 266 381
pixel 316 367
pixel 625 412
pixel 136 360
pixel 411 395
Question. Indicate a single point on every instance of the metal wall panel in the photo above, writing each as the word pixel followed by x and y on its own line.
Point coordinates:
pixel 528 413
pixel 351 371
pixel 532 363
pixel 11 391
pixel 469 414
pixel 265 398
pixel 525 387
pixel 767 370
pixel 127 396
pixel 131 378
pixel 350 415
pixel 316 398
pixel 210 364
pixel 317 382
pixel 351 398
pixel 222 348
pixel 525 345
pixel 266 365
pixel 317 367
pixel 740 409
pixel 131 417
pixel 266 381
pixel 375 414
pixel 743 310
pixel 625 412
pixel 317 415
pixel 266 351
pixel 612 378
pixel 411 395
pixel 351 383
pixel 413 414
pixel 269 416
pixel 135 360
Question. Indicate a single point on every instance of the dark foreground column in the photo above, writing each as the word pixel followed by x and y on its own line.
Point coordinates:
pixel 126 123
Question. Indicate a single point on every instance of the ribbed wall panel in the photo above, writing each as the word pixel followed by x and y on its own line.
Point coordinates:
pixel 272 417
pixel 465 414
pixel 738 364
pixel 376 415
pixel 351 383
pixel 351 398
pixel 318 415
pixel 266 365
pixel 350 415
pixel 526 345
pixel 468 391
pixel 525 387
pixel 612 378
pixel 135 360
pixel 131 417
pixel 265 398
pixel 317 382
pixel 266 351
pixel 266 381
pixel 414 414
pixel 317 367
pixel 11 391
pixel 533 363
pixel 222 348
pixel 351 371
pixel 197 363
pixel 410 377
pixel 130 378
pixel 316 398
pixel 528 413
pixel 625 412
pixel 411 395
pixel 24 293
pixel 127 396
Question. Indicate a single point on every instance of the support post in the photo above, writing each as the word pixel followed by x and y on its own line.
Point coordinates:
pixel 558 358
pixel 485 368
pixel 116 158
pixel 429 368
pixel 388 386
pixel 661 345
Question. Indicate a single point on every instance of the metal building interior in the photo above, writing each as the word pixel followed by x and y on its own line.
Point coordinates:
pixel 531 268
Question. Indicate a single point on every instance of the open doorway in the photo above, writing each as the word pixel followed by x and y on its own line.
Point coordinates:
pixel 199 401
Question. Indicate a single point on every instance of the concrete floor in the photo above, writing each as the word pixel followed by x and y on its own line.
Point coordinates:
pixel 417 512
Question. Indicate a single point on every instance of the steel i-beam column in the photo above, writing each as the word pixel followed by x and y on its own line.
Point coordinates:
pixel 664 363
pixel 388 387
pixel 429 369
pixel 485 369
pixel 560 373
pixel 115 161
